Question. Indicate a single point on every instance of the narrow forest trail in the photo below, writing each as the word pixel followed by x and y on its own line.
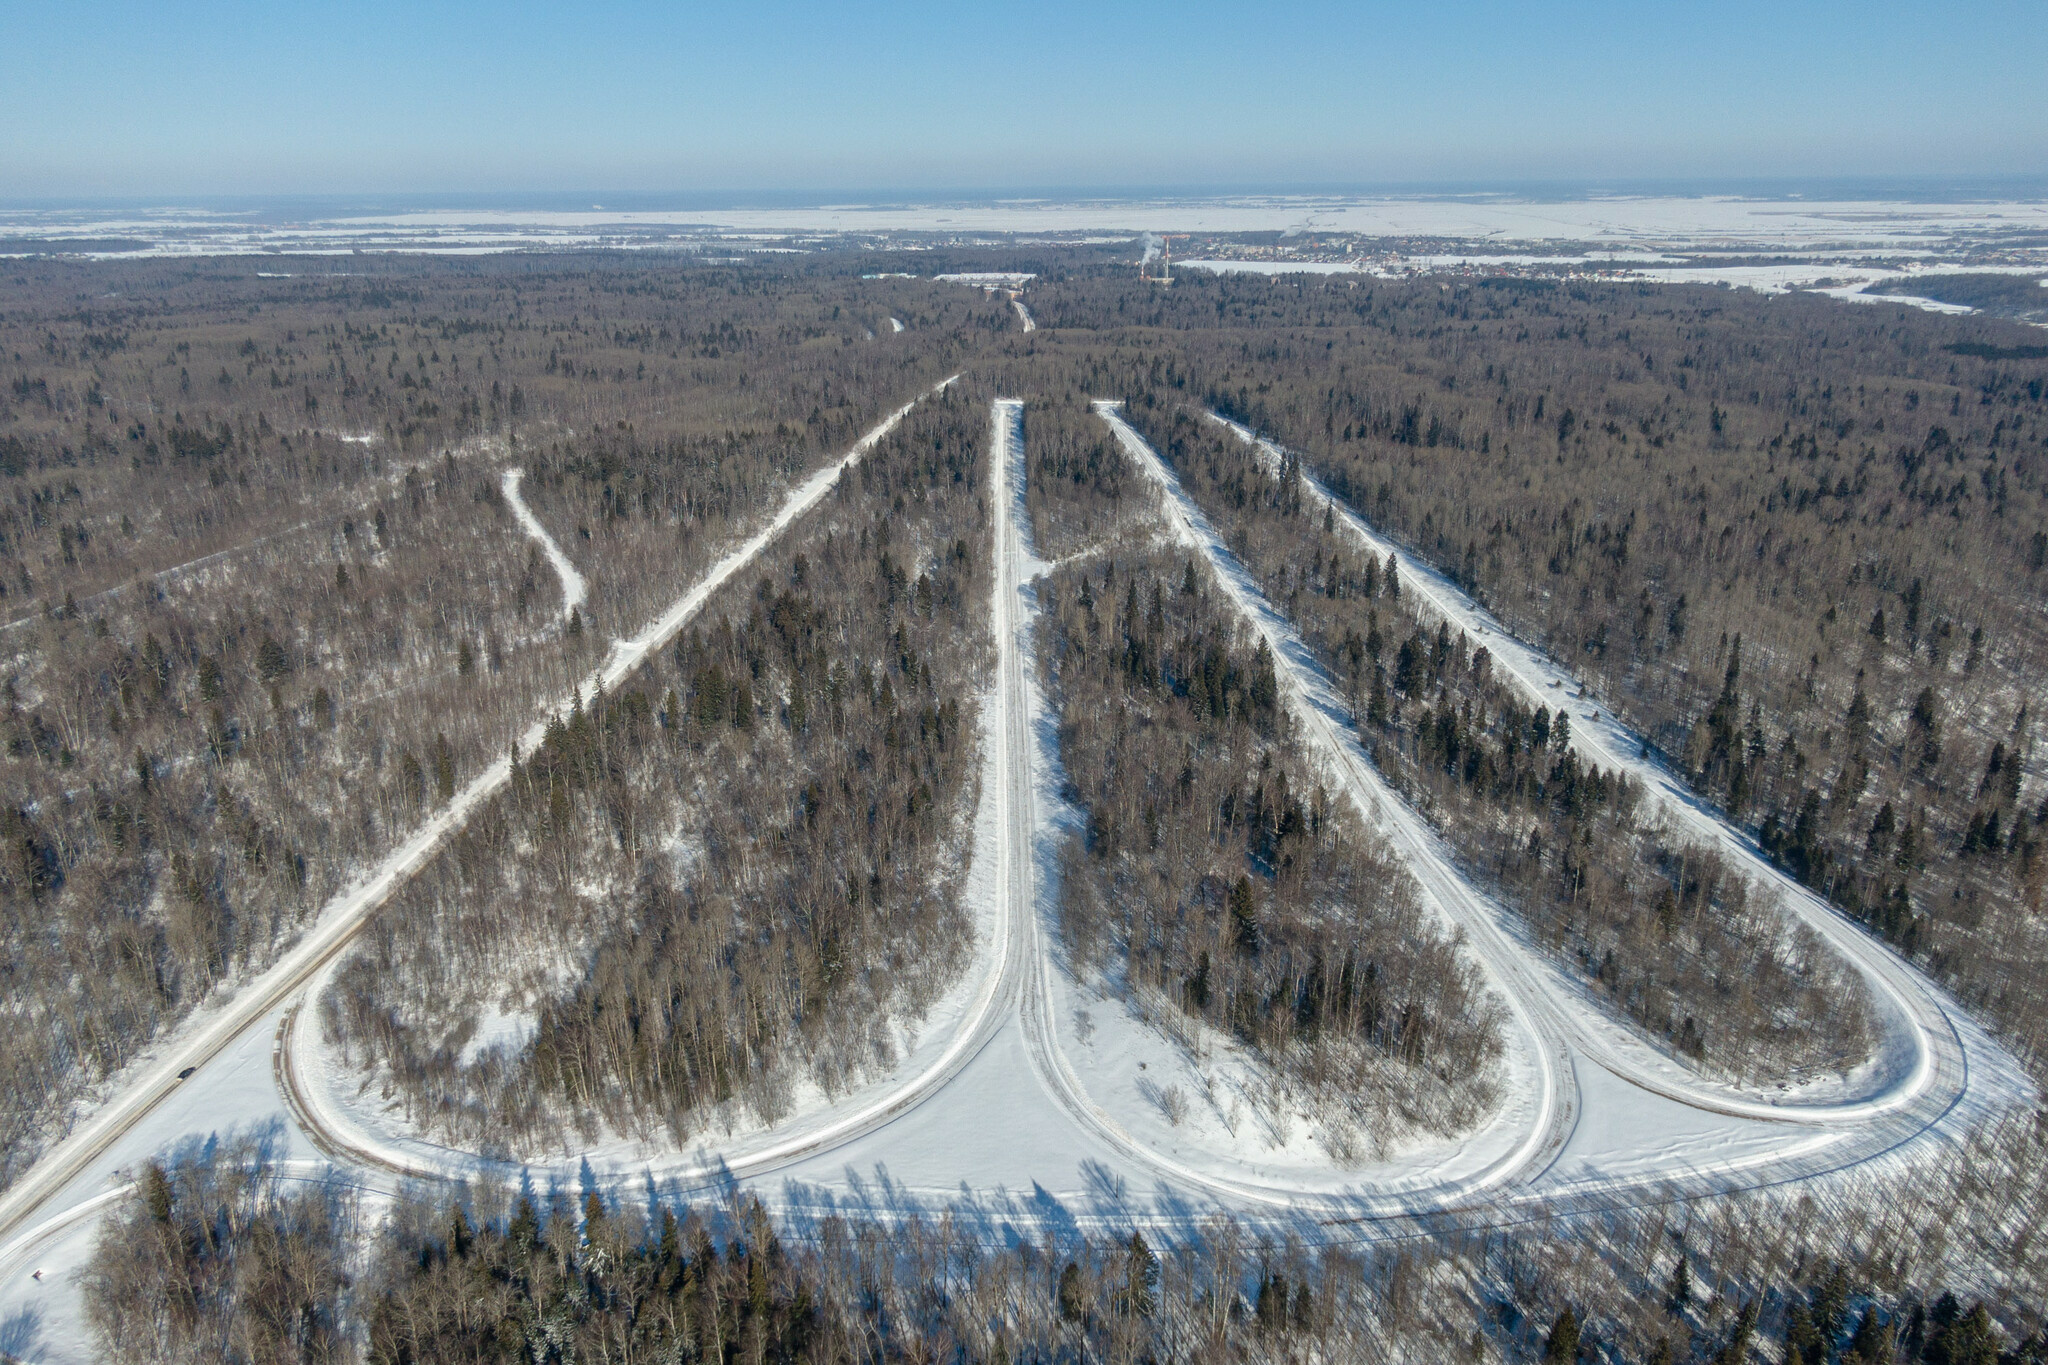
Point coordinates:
pixel 575 592
pixel 305 1079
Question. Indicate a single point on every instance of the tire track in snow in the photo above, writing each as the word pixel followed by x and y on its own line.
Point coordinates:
pixel 1542 1032
pixel 1847 1135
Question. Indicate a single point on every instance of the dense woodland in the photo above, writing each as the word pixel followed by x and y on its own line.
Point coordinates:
pixel 266 606
pixel 739 870
pixel 1678 940
pixel 263 607
pixel 222 1260
pixel 1215 879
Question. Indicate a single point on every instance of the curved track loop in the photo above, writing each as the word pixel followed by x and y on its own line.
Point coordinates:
pixel 1006 782
pixel 1546 1065
pixel 1923 1046
pixel 1939 1064
pixel 1018 989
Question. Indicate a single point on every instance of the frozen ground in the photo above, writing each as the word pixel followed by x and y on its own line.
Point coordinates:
pixel 1018 1113
pixel 144 1108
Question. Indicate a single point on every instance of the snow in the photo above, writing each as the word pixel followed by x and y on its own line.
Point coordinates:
pixel 1820 273
pixel 143 1108
pixel 988 279
pixel 1629 1134
pixel 1930 1049
pixel 498 1027
pixel 1278 267
pixel 1656 222
pixel 574 590
pixel 1010 1107
pixel 895 324
pixel 1934 1061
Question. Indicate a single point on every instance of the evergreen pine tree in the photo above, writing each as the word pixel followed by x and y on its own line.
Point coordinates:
pixel 524 1230
pixel 1831 1309
pixel 156 1188
pixel 1071 1306
pixel 1872 1344
pixel 1802 1338
pixel 1967 1340
pixel 1679 1296
pixel 1736 1352
pixel 459 1237
pixel 1562 1345
pixel 444 767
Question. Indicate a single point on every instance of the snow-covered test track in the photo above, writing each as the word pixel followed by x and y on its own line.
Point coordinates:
pixel 1936 1070
pixel 1005 1110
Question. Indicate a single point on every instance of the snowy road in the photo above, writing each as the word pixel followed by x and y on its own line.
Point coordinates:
pixel 1923 1030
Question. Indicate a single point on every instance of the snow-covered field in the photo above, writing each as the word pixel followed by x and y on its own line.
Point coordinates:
pixel 1831 246
pixel 1621 222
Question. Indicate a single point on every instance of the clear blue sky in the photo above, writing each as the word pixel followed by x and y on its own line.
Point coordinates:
pixel 215 97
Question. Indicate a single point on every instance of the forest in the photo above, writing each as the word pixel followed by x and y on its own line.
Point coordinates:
pixel 1799 547
pixel 1678 941
pixel 1216 880
pixel 224 1260
pixel 266 604
pixel 741 871
pixel 286 559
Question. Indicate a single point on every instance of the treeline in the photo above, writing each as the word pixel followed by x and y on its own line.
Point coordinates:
pixel 224 1260
pixel 265 609
pixel 1636 478
pixel 2008 296
pixel 738 873
pixel 1676 939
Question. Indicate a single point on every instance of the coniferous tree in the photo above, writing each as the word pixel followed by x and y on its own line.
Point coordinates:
pixel 1561 1346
